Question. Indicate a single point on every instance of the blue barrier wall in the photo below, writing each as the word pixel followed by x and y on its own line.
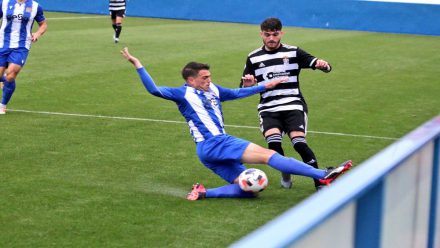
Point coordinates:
pixel 332 14
pixel 390 200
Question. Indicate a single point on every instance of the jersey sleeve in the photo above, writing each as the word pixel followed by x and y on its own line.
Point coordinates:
pixel 162 92
pixel 226 94
pixel 305 59
pixel 247 70
pixel 39 17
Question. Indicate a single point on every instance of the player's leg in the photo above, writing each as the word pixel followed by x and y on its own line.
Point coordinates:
pixel 221 154
pixel 296 124
pixel 229 172
pixel 15 61
pixel 118 22
pixel 271 126
pixel 4 54
pixel 255 154
pixel 114 26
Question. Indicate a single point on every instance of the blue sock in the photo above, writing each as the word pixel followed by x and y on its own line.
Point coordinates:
pixel 228 191
pixel 8 90
pixel 293 166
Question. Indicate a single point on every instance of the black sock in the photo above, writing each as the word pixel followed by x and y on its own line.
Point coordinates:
pixel 300 145
pixel 118 29
pixel 114 27
pixel 274 143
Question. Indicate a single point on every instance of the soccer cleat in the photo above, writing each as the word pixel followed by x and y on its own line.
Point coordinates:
pixel 286 181
pixel 2 109
pixel 286 184
pixel 333 173
pixel 198 192
pixel 116 40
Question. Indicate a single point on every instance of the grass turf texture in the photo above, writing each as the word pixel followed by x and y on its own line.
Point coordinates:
pixel 87 182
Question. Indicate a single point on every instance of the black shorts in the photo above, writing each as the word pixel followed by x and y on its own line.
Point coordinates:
pixel 285 121
pixel 115 13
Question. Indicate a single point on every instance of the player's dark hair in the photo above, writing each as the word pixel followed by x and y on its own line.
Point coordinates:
pixel 271 24
pixel 192 69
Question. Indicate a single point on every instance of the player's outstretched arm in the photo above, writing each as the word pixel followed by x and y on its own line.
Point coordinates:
pixel 130 58
pixel 275 82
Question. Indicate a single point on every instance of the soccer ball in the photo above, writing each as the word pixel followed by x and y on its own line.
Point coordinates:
pixel 253 180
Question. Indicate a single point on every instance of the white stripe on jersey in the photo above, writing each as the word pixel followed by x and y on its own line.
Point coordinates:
pixel 283 92
pixel 276 68
pixel 292 79
pixel 283 108
pixel 279 101
pixel 217 110
pixel 197 135
pixel 278 55
pixel 14 36
pixel 116 5
pixel 197 105
pixel 313 61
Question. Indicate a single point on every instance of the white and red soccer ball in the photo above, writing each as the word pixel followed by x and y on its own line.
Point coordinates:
pixel 253 180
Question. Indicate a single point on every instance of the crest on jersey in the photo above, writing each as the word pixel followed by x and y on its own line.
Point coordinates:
pixel 28 9
pixel 286 60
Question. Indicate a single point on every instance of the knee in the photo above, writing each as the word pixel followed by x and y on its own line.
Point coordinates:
pixel 10 76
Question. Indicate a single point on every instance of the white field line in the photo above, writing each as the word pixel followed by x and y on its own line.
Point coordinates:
pixel 182 122
pixel 77 17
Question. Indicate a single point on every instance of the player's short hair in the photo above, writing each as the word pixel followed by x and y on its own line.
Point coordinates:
pixel 271 24
pixel 192 69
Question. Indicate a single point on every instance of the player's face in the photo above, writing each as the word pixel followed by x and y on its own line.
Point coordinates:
pixel 201 81
pixel 271 39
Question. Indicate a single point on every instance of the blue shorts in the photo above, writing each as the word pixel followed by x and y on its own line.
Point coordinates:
pixel 222 154
pixel 16 56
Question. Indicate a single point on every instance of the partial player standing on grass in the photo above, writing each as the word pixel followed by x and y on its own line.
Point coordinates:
pixel 199 102
pixel 117 14
pixel 16 37
pixel 283 108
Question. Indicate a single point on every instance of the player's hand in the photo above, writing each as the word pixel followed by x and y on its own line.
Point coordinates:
pixel 130 58
pixel 323 65
pixel 35 36
pixel 248 80
pixel 275 82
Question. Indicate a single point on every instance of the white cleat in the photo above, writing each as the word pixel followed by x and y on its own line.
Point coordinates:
pixel 286 184
pixel 116 40
pixel 2 109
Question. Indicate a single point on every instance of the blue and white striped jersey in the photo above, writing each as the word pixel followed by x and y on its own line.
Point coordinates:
pixel 17 21
pixel 202 110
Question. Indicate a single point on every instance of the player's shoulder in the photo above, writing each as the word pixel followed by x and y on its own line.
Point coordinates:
pixel 256 52
pixel 289 47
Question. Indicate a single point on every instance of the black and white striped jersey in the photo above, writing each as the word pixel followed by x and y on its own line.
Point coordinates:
pixel 116 5
pixel 286 61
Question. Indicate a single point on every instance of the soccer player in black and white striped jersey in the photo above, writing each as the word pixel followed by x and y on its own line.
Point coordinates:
pixel 117 14
pixel 283 108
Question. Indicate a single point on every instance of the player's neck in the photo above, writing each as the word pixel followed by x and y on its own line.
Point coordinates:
pixel 272 49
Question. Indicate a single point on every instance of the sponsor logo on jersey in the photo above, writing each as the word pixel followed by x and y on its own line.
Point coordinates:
pixel 271 75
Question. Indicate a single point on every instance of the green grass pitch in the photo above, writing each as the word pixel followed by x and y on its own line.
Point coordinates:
pixel 87 181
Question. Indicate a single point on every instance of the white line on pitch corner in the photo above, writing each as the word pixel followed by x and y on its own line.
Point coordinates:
pixel 181 122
